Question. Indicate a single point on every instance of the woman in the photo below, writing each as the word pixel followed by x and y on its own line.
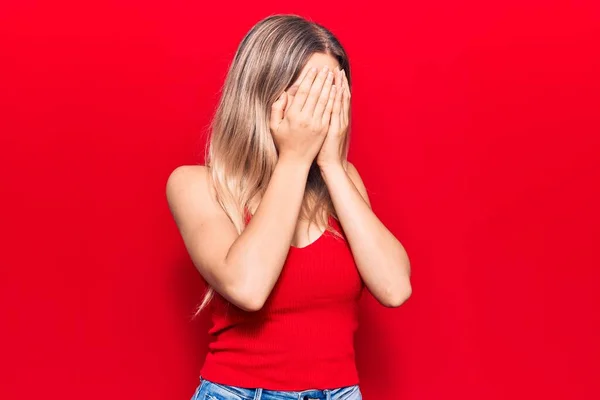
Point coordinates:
pixel 279 224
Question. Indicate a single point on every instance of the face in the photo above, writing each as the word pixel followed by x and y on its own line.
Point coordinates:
pixel 318 60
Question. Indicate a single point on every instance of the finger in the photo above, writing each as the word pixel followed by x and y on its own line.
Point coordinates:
pixel 323 97
pixel 329 106
pixel 333 96
pixel 346 99
pixel 277 110
pixel 336 111
pixel 338 79
pixel 292 90
pixel 337 105
pixel 303 90
pixel 302 76
pixel 347 83
pixel 315 91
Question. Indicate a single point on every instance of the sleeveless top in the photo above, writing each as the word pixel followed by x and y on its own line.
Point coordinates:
pixel 303 337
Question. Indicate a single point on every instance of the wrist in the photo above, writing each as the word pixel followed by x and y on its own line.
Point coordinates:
pixel 331 167
pixel 295 164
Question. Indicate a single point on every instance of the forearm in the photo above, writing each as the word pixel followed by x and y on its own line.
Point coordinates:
pixel 380 258
pixel 261 250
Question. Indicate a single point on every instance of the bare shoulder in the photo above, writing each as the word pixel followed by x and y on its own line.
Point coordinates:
pixel 189 191
pixel 185 175
pixel 187 180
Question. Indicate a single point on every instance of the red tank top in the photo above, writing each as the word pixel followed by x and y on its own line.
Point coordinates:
pixel 303 337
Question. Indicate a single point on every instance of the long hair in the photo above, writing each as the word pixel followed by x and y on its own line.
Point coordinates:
pixel 241 153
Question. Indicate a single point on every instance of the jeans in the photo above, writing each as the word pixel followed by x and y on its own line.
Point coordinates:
pixel 213 391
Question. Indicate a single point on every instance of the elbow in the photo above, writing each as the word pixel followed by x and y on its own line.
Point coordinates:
pixel 247 297
pixel 251 303
pixel 397 297
pixel 241 289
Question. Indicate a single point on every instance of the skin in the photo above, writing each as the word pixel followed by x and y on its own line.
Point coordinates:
pixel 308 123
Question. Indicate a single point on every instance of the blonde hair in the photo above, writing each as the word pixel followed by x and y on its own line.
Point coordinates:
pixel 241 154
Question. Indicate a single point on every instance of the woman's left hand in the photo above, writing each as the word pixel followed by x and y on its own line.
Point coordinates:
pixel 331 152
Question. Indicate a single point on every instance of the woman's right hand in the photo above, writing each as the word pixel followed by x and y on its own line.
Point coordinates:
pixel 300 128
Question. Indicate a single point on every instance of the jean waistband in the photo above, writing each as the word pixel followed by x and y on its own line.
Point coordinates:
pixel 208 388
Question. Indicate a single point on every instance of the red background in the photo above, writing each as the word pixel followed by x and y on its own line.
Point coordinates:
pixel 476 131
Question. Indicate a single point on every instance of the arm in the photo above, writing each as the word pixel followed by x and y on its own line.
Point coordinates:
pixel 381 259
pixel 242 268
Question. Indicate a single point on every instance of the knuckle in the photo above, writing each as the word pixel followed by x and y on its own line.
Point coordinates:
pixel 302 91
pixel 290 114
pixel 302 121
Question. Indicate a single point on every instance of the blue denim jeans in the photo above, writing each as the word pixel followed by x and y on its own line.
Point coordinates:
pixel 213 391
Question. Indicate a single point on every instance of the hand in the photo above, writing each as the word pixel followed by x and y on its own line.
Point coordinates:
pixel 300 129
pixel 332 151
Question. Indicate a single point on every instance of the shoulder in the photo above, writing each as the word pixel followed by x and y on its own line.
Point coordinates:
pixel 187 177
pixel 185 173
pixel 188 185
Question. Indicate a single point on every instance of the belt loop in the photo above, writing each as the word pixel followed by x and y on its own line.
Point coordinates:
pixel 258 394
pixel 327 394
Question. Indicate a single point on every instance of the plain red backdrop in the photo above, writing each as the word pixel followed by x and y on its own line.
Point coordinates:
pixel 476 131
